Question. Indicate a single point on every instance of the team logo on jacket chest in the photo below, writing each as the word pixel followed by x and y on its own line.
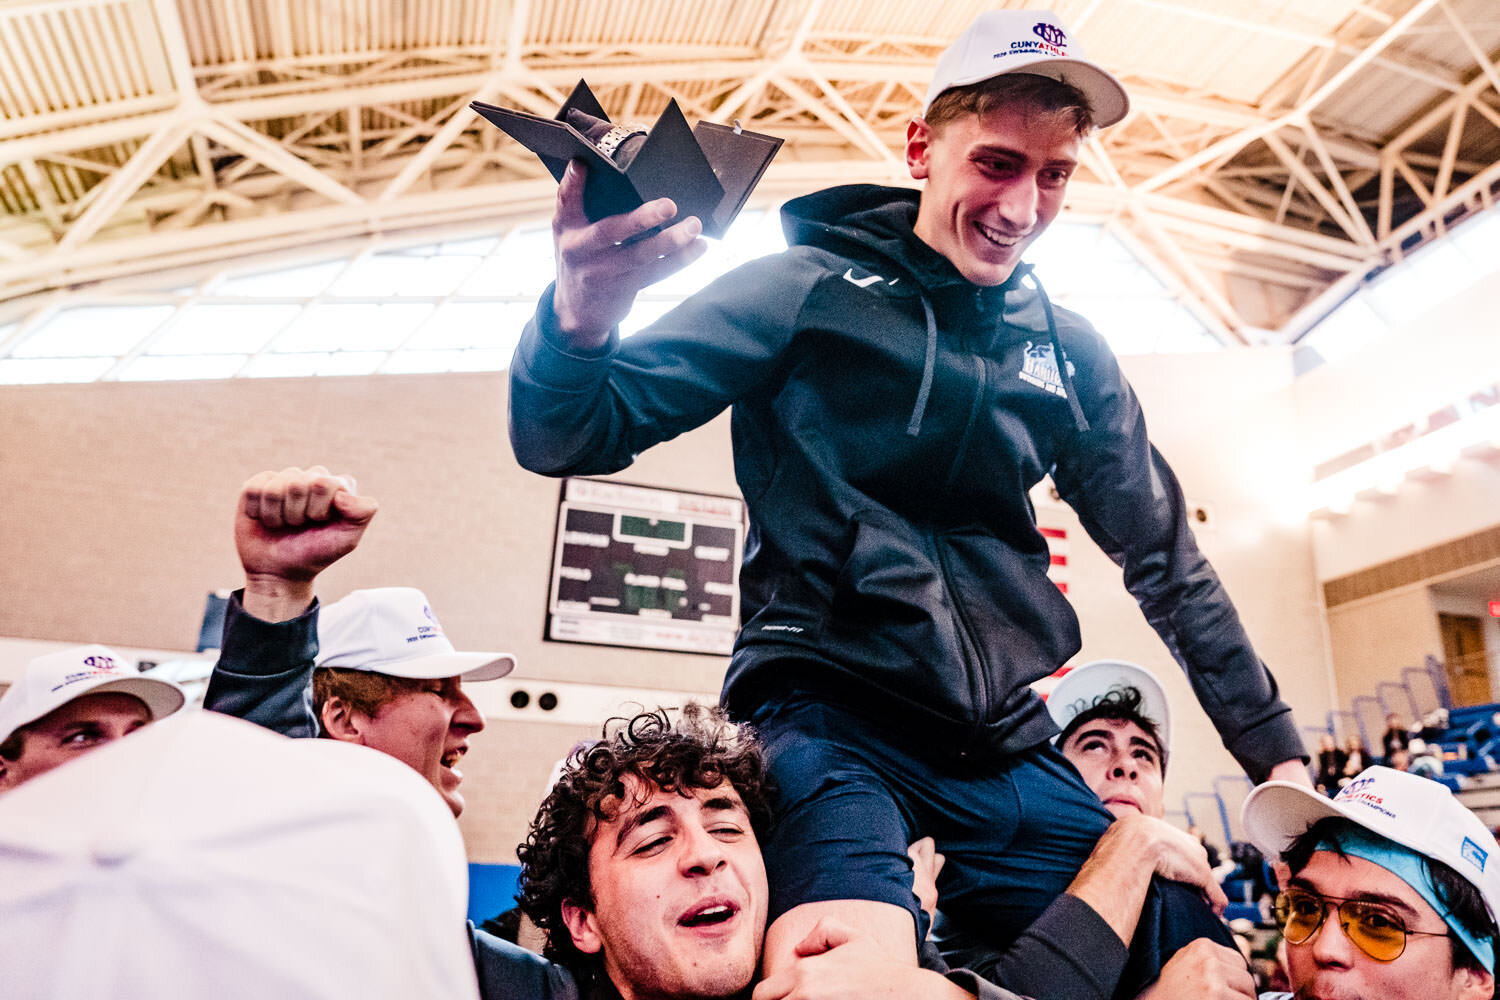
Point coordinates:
pixel 1039 368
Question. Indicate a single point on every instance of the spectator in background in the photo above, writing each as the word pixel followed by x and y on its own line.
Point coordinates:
pixel 1392 890
pixel 1223 867
pixel 71 702
pixel 1356 758
pixel 1396 737
pixel 1331 761
pixel 1423 760
pixel 1399 760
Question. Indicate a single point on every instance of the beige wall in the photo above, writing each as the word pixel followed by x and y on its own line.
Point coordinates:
pixel 1448 353
pixel 1445 355
pixel 118 499
pixel 1373 640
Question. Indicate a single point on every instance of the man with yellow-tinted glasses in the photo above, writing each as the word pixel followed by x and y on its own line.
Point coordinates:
pixel 1392 893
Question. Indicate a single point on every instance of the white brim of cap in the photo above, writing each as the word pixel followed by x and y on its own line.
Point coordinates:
pixel 465 666
pixel 1108 101
pixel 1094 679
pixel 162 698
pixel 1278 812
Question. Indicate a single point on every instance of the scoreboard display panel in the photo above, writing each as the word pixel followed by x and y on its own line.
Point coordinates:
pixel 646 567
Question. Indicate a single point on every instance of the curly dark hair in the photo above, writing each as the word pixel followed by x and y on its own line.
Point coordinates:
pixel 1123 702
pixel 700 749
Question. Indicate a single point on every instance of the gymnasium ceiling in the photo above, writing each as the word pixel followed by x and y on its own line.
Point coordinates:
pixel 1277 152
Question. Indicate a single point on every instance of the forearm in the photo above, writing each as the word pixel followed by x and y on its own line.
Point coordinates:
pixel 574 411
pixel 276 599
pixel 559 419
pixel 264 673
pixel 1069 951
pixel 1114 885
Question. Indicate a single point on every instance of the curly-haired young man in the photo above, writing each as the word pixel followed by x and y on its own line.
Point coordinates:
pixel 643 866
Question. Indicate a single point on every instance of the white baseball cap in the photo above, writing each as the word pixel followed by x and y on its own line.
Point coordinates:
pixel 392 630
pixel 1081 688
pixel 1405 808
pixel 206 856
pixel 52 681
pixel 1027 41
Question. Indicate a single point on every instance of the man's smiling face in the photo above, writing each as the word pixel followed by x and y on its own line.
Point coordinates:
pixel 994 183
pixel 679 887
pixel 427 728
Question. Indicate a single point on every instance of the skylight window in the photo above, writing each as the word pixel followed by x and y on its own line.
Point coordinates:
pixel 404 275
pixel 92 331
pixel 35 371
pixel 1409 290
pixel 353 326
pixel 460 305
pixel 222 329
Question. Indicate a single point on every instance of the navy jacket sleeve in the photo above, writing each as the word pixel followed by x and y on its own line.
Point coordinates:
pixel 509 972
pixel 264 673
pixel 983 989
pixel 1130 503
pixel 1068 951
pixel 590 414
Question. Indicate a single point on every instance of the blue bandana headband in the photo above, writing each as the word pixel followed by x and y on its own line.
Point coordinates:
pixel 1411 868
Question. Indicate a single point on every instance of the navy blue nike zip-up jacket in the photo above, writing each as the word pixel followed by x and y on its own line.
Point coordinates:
pixel 889 419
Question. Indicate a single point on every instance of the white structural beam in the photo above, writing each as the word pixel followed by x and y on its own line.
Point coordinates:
pixel 365 127
pixel 435 146
pixel 1297 116
pixel 257 147
pixel 117 189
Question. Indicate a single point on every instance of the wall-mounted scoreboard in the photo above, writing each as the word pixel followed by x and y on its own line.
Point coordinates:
pixel 646 567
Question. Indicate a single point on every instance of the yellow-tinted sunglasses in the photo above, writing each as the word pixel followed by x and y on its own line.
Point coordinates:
pixel 1374 928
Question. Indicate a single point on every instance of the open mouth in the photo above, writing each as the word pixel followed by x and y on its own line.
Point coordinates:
pixel 709 914
pixel 452 756
pixel 996 238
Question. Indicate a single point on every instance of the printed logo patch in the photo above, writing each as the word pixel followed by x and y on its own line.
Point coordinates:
pixel 1049 33
pixel 101 662
pixel 1473 853
pixel 864 282
pixel 1053 41
pixel 1039 368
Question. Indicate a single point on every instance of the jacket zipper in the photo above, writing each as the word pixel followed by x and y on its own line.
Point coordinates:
pixel 980 688
pixel 978 667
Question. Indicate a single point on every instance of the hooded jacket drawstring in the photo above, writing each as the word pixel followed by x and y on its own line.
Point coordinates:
pixel 914 426
pixel 1079 420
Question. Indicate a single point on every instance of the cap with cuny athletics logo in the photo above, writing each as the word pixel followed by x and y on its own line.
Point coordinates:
pixel 1027 41
pixel 392 630
pixel 52 681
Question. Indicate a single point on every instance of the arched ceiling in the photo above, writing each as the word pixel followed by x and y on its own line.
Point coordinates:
pixel 1277 152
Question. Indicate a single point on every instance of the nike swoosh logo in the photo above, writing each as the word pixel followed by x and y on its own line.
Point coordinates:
pixel 861 282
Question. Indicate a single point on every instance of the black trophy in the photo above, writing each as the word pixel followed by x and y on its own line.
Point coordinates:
pixel 708 170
